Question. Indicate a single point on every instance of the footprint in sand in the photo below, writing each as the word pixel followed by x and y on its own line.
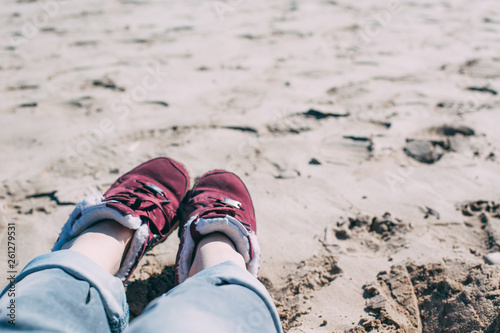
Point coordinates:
pixel 384 233
pixel 484 216
pixel 291 297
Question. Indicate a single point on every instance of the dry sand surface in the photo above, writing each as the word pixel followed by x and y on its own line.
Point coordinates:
pixel 366 131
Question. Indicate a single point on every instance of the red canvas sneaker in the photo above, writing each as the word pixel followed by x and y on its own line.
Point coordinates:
pixel 145 200
pixel 219 202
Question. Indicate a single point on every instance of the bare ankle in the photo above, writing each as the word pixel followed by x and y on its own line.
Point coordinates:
pixel 214 249
pixel 105 243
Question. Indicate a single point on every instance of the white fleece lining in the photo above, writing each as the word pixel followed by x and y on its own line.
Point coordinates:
pixel 92 209
pixel 227 225
pixel 140 236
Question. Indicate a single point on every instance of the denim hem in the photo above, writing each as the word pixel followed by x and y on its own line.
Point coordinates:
pixel 109 287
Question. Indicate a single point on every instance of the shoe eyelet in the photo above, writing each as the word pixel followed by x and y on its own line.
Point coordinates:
pixel 154 188
pixel 231 202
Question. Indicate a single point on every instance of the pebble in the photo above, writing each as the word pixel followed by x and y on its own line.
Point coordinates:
pixel 424 151
pixel 314 161
pixel 492 258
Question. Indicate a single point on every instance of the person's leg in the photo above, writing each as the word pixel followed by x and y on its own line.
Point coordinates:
pixel 64 291
pixel 220 296
pixel 214 249
pixel 105 243
pixel 216 268
pixel 79 286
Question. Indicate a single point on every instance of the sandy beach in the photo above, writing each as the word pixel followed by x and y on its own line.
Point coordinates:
pixel 366 132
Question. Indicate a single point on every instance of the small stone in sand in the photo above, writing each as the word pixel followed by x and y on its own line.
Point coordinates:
pixel 314 161
pixel 492 258
pixel 424 151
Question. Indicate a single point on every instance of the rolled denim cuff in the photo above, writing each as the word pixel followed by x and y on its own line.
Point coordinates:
pixel 109 287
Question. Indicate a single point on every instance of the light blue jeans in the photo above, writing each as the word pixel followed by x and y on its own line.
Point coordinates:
pixel 64 291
